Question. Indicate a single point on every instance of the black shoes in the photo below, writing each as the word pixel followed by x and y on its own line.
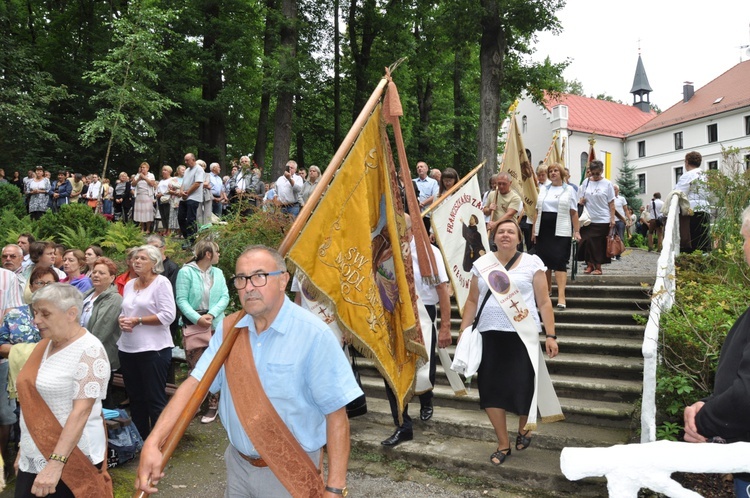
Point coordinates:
pixel 398 437
pixel 425 413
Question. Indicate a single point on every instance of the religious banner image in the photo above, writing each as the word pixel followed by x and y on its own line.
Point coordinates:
pixel 350 255
pixel 460 232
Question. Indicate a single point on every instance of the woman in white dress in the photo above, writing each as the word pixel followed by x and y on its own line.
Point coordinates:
pixel 144 184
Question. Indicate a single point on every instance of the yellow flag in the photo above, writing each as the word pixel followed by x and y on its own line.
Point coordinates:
pixel 517 165
pixel 351 253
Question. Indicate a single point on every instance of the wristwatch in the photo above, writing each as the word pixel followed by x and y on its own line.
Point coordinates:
pixel 338 491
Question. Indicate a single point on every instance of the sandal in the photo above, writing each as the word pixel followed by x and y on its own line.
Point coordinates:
pixel 523 441
pixel 498 457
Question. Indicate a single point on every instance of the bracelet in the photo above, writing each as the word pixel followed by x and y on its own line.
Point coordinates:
pixel 552 336
pixel 140 320
pixel 338 491
pixel 59 458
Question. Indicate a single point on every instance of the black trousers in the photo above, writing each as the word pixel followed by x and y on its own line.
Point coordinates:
pixel 145 377
pixel 426 397
pixel 187 213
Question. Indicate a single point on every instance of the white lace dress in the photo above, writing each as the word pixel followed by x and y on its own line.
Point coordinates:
pixel 80 371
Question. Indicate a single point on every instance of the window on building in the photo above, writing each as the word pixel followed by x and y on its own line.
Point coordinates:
pixel 747 125
pixel 747 162
pixel 713 133
pixel 642 148
pixel 677 174
pixel 524 124
pixel 678 140
pixel 642 183
pixel 584 160
pixel 713 165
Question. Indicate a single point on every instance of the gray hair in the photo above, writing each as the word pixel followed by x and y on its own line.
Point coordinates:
pixel 746 217
pixel 155 237
pixel 292 163
pixel 154 255
pixel 62 296
pixel 16 247
pixel 314 168
pixel 503 174
pixel 278 258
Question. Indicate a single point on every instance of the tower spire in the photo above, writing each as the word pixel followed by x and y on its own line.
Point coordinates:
pixel 641 88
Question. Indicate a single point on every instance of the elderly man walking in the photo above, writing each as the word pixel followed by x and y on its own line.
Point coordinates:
pixel 284 389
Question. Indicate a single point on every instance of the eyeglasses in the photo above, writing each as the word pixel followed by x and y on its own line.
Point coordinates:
pixel 41 283
pixel 256 279
pixel 10 256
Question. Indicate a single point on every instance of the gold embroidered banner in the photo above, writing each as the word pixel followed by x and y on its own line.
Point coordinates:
pixel 517 165
pixel 351 253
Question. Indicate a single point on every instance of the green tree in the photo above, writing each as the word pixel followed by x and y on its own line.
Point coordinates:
pixel 129 104
pixel 507 30
pixel 629 186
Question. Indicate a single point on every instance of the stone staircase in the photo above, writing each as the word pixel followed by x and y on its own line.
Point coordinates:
pixel 597 377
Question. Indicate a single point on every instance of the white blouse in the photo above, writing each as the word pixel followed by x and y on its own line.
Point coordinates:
pixel 79 371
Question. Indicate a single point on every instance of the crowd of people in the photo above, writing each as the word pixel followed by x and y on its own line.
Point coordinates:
pixel 74 322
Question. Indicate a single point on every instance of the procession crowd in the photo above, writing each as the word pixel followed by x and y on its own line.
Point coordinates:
pixel 74 322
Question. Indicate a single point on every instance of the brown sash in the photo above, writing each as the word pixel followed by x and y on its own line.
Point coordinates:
pixel 271 437
pixel 79 474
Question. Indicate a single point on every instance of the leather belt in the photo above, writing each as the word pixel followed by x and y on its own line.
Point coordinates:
pixel 290 204
pixel 255 462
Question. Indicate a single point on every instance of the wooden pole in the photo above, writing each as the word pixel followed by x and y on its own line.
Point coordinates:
pixel 332 167
pixel 188 413
pixel 455 187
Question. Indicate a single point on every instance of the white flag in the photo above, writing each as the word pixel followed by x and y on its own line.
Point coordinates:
pixel 460 232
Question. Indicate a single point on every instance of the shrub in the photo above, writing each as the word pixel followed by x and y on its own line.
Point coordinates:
pixel 238 232
pixel 12 200
pixel 78 238
pixel 76 215
pixel 11 226
pixel 120 237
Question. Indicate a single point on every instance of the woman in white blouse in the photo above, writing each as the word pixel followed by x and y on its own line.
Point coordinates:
pixel 556 222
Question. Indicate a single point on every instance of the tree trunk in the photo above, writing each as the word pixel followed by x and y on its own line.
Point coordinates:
pixel 261 140
pixel 288 72
pixel 336 78
pixel 460 57
pixel 299 153
pixel 361 53
pixel 212 130
pixel 491 53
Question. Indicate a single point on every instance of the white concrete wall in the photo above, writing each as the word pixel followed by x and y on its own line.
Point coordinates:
pixel 661 157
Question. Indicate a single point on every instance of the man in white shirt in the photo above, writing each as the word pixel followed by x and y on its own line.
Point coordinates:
pixel 289 190
pixel 428 190
pixel 693 184
pixel 192 197
pixel 656 222
pixel 95 189
pixel 217 189
pixel 431 296
pixel 12 258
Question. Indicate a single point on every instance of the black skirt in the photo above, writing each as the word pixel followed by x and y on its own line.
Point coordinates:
pixel 593 246
pixel 506 376
pixel 554 251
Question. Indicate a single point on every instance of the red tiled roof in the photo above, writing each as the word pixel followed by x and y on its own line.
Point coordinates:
pixel 601 117
pixel 732 87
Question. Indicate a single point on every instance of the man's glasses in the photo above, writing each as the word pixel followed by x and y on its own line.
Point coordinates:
pixel 256 279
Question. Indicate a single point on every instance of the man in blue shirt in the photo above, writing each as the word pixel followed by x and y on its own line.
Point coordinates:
pixel 428 190
pixel 303 372
pixel 217 189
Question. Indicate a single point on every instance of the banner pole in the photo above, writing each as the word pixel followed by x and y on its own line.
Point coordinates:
pixel 455 187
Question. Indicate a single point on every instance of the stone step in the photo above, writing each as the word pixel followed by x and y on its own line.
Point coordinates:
pixel 598 330
pixel 593 365
pixel 572 386
pixel 533 472
pixel 602 303
pixel 583 411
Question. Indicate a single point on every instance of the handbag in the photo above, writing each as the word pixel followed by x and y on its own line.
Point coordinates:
pixel 195 336
pixel 615 246
pixel 357 406
pixel 584 219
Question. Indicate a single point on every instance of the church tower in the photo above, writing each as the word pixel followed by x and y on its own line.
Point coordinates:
pixel 641 88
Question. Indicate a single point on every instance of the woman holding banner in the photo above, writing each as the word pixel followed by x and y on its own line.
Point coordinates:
pixel 512 376
pixel 556 222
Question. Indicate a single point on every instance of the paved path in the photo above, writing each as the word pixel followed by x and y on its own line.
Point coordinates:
pixel 634 263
